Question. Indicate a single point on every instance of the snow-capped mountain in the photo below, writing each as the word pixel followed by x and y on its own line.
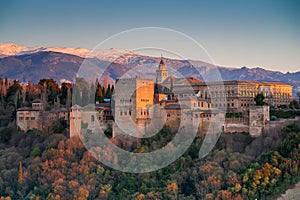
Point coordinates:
pixel 112 54
pixel 63 64
pixel 13 49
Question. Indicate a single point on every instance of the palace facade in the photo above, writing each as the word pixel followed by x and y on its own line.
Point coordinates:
pixel 140 105
pixel 36 117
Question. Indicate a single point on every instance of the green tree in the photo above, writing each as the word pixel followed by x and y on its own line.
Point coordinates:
pixel 259 99
pixel 52 89
pixel 35 152
pixel 92 94
pixel 108 130
pixel 65 88
pixel 85 97
pixel 99 93
pixel 81 83
pixel 14 89
pixel 108 92
pixel 76 98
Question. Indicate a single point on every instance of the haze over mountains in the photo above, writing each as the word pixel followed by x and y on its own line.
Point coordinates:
pixel 62 64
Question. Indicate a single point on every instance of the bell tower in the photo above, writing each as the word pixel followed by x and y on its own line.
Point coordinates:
pixel 161 72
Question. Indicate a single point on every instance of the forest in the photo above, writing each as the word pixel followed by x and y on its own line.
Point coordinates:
pixel 49 165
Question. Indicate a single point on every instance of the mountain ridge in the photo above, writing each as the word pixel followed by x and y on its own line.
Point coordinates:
pixel 64 66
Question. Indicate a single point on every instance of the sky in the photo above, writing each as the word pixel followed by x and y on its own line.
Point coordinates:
pixel 257 33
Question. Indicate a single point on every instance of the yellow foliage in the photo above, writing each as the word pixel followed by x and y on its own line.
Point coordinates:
pixel 245 178
pixel 172 187
pixel 20 177
pixel 209 196
pixel 105 190
pixel 140 197
pixel 5 198
pixel 82 194
pixel 237 187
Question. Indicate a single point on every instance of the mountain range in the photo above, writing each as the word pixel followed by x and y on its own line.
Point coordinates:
pixel 64 64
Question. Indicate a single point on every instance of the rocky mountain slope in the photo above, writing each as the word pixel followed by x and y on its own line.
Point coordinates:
pixel 115 63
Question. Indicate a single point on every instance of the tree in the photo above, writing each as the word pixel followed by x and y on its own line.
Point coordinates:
pixel 173 189
pixel 85 97
pixel 108 92
pixel 81 83
pixel 76 98
pixel 92 94
pixel 14 89
pixel 99 93
pixel 82 194
pixel 52 89
pixel 259 99
pixel 65 94
pixel 69 98
pixel 35 152
pixel 20 177
pixel 294 104
pixel 108 130
pixel 105 190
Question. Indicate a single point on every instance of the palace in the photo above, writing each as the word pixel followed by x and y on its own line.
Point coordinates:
pixel 36 117
pixel 233 95
pixel 140 105
pixel 89 117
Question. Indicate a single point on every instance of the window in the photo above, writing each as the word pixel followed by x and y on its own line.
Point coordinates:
pixel 21 118
pixel 32 118
pixel 121 113
pixel 92 118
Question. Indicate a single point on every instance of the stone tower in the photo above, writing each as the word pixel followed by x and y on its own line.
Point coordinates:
pixel 161 72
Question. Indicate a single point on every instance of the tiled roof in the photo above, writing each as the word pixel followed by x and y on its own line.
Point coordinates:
pixel 27 109
pixel 37 101
pixel 176 106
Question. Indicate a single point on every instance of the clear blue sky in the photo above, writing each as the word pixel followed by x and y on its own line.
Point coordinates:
pixel 263 33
